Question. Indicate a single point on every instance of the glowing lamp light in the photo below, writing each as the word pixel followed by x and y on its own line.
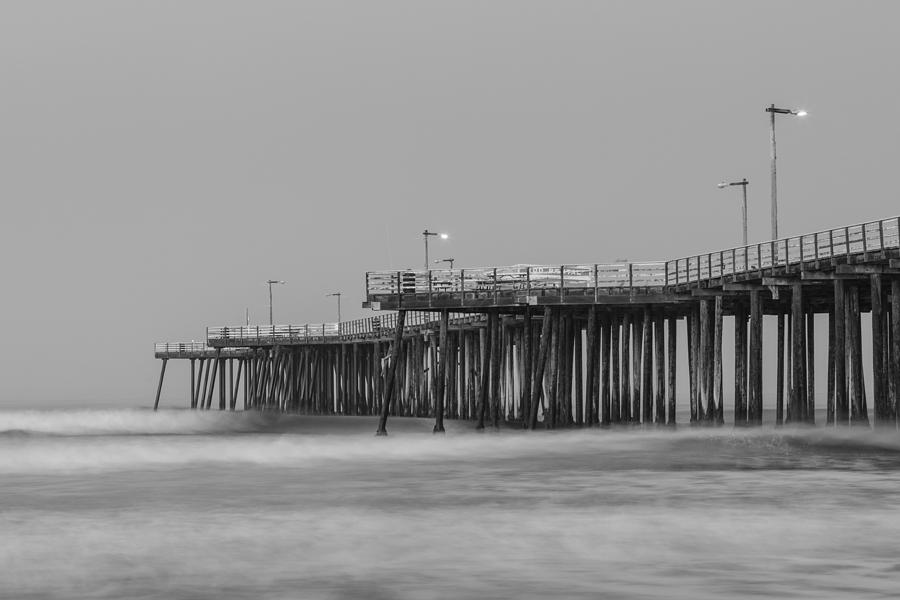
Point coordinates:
pixel 801 113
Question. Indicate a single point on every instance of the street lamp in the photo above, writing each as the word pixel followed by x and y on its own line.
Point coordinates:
pixel 338 294
pixel 743 183
pixel 427 234
pixel 446 260
pixel 270 282
pixel 772 112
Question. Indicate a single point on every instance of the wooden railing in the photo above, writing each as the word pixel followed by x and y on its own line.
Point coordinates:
pixel 521 278
pixel 188 348
pixel 860 239
pixel 370 327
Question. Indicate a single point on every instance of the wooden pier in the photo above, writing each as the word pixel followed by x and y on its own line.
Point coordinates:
pixel 540 346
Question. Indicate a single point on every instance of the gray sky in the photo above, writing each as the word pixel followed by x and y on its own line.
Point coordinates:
pixel 160 160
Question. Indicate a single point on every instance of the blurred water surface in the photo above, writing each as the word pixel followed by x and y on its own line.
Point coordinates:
pixel 181 504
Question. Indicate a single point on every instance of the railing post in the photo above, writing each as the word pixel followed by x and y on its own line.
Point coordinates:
pixel 596 282
pixel 462 287
pixel 495 285
pixel 865 243
pixel 847 241
pixel 528 280
pixel 666 276
pixel 881 235
pixel 709 266
pixel 562 283
pixel 428 275
pixel 307 332
pixel 630 278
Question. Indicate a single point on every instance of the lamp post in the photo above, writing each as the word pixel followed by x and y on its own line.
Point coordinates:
pixel 427 234
pixel 445 260
pixel 772 112
pixel 743 183
pixel 270 282
pixel 338 294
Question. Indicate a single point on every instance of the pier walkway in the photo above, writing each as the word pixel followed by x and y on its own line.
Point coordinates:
pixel 588 344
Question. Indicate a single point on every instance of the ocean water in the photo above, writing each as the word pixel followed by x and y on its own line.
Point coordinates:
pixel 181 504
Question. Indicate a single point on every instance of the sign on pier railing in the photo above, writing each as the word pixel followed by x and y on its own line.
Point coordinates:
pixel 376 326
pixel 863 238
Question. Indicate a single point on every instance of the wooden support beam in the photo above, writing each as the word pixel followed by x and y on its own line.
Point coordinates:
pixel 705 363
pixel 879 381
pixel 389 387
pixel 162 374
pixel 693 341
pixel 615 409
pixel 744 287
pixel 526 351
pixel 193 382
pixel 719 414
pixel 647 369
pixel 779 372
pixel 627 400
pixel 780 281
pixel 828 276
pixel 867 269
pixel 895 347
pixel 707 292
pixel 659 363
pixel 496 353
pixel 672 364
pixel 546 327
pixel 579 376
pixel 829 410
pixel 442 373
pixel 740 366
pixel 858 409
pixel 810 343
pixel 842 408
pixel 591 380
pixel 553 398
pixel 798 360
pixel 755 383
pixel 637 337
pixel 606 351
